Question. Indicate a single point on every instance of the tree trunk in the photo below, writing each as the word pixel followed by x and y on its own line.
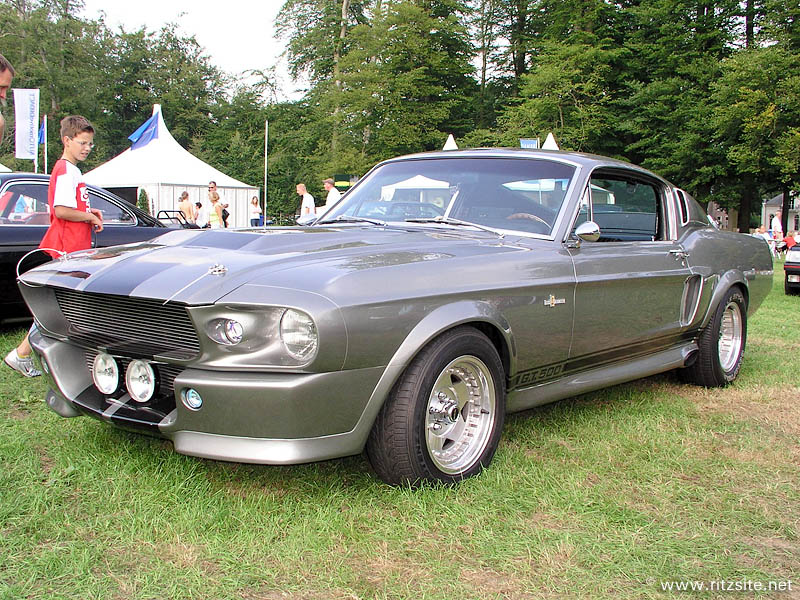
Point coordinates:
pixel 749 23
pixel 337 53
pixel 518 43
pixel 785 208
pixel 745 204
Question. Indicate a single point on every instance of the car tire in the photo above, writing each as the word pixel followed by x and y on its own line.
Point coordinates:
pixel 443 419
pixel 721 344
pixel 790 290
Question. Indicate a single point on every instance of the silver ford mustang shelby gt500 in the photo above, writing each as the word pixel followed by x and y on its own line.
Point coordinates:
pixel 442 291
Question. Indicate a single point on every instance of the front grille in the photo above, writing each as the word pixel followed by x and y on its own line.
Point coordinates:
pixel 126 325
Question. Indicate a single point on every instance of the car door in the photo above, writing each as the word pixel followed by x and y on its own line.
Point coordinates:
pixel 24 219
pixel 632 282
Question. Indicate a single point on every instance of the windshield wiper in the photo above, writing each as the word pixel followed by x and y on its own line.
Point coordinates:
pixel 352 219
pixel 451 221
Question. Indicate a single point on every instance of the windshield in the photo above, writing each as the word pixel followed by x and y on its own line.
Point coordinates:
pixel 523 195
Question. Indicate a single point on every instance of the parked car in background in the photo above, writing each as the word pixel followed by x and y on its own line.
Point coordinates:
pixel 791 269
pixel 443 291
pixel 25 217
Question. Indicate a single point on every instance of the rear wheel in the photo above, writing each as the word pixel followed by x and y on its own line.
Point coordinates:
pixel 444 417
pixel 721 345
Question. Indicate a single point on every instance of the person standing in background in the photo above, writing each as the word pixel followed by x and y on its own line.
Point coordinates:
pixel 185 206
pixel 255 212
pixel 200 215
pixel 776 226
pixel 307 200
pixel 215 219
pixel 212 187
pixel 333 194
pixel 6 76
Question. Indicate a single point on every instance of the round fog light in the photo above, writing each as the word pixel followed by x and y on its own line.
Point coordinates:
pixel 191 399
pixel 105 373
pixel 140 379
pixel 228 332
pixel 233 331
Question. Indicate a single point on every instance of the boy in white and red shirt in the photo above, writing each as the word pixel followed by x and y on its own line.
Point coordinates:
pixel 72 219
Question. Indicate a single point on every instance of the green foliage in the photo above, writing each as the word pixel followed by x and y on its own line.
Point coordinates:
pixel 569 93
pixel 143 201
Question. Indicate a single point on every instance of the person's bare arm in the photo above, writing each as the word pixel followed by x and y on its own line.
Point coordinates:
pixel 78 216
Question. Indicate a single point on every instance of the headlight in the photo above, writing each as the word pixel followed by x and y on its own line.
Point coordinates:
pixel 228 332
pixel 299 334
pixel 140 379
pixel 105 373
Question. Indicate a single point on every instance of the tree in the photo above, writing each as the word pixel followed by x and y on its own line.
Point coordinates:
pixel 757 120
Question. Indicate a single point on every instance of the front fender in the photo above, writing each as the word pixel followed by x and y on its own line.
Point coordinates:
pixel 432 325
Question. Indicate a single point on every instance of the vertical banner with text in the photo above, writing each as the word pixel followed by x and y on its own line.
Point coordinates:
pixel 26 122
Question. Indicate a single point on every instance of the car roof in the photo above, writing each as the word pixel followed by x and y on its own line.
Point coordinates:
pixel 581 159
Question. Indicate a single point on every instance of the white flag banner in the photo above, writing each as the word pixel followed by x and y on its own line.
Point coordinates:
pixel 26 122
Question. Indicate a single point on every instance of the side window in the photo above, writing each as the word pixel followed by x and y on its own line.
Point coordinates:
pixel 26 204
pixel 683 207
pixel 112 214
pixel 625 208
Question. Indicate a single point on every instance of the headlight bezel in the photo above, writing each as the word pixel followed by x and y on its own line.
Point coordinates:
pixel 262 348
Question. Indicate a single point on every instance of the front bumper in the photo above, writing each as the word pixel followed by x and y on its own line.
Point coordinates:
pixel 269 418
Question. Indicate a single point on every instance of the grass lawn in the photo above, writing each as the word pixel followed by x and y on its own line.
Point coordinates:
pixel 614 494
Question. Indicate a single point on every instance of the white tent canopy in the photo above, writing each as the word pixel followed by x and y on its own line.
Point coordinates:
pixel 418 182
pixel 164 169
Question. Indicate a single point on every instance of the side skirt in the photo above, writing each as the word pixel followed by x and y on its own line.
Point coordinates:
pixel 598 378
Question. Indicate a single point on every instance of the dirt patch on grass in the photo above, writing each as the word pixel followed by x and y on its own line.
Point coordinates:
pixel 184 556
pixel 772 406
pixel 774 555
pixel 17 414
pixel 488 583
pixel 294 595
pixel 45 460
pixel 542 520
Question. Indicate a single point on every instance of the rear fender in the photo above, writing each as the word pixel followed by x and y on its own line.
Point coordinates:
pixel 726 282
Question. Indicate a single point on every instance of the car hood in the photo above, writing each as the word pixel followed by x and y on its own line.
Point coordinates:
pixel 201 267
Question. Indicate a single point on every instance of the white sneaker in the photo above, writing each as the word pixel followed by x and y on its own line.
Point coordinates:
pixel 23 365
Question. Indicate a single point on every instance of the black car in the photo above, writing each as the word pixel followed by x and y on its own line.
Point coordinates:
pixel 25 217
pixel 791 268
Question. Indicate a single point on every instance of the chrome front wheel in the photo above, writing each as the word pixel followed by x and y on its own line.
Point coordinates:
pixel 444 417
pixel 461 413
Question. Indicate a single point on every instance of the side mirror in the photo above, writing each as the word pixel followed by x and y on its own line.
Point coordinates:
pixel 588 231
